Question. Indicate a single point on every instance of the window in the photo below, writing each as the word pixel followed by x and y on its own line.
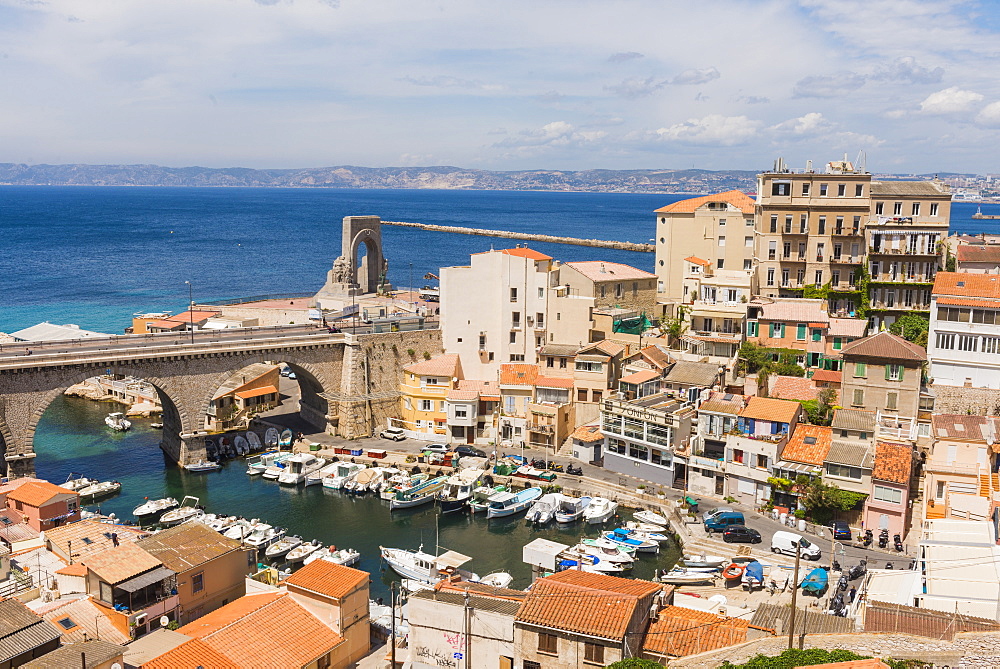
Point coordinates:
pixel 638 451
pixel 835 281
pixel 761 461
pixel 820 248
pixel 860 370
pixel 838 343
pixel 513 294
pixel 513 337
pixel 968 343
pixel 515 319
pixel 817 334
pixel 822 190
pixel 897 209
pixel 991 345
pixel 841 190
pixel 541 293
pixel 539 320
pixel 802 224
pixel 784 277
pixel 886 494
pixel 859 397
pixel 547 643
pixel 517 357
pixel 890 401
pixel 774 223
pixel 581 395
pixel 562 363
pixel 916 209
pixel 805 189
pixel 945 341
pixel 800 332
pixel 788 224
pixel 786 250
pixel 859 190
pixel 198 582
pixel 819 278
pixel 770 276
pixel 635 286
pixel 934 208
pixel 619 290
pixel 781 188
pixel 585 366
pixel 427 405
pixel 747 265
pixel 106 595
pixel 720 263
pixel 822 225
pixel 748 242
pixel 530 664
pixel 893 372
pixel 722 222
pixel 738 455
pixel 461 411
pixel 879 207
pixel 844 472
pixel 983 316
pixel 802 251
pixel 593 653
pixel 772 250
pixel 407 403
pixel 752 328
pixel 482 342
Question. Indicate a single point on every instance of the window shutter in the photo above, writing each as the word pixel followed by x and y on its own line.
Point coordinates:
pixel 888 372
pixel 800 332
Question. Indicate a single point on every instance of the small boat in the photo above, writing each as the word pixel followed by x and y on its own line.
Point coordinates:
pixel 575 559
pixel 624 537
pixel 271 437
pixel 400 481
pixel 76 481
pixel 188 509
pixel 316 476
pixel 497 579
pixel 638 533
pixel 383 475
pixel 282 546
pixel 420 494
pixel 258 464
pixel 156 426
pixel 733 571
pixel 241 445
pixel 777 581
pixel 362 481
pixel 508 503
pixel 220 523
pixel 102 489
pixel 263 535
pixel 480 500
pixel 644 527
pixel 241 529
pixel 254 441
pixel 650 517
pixel 608 553
pixel 685 577
pixel 302 551
pixel 203 466
pixel 753 575
pixel 600 510
pixel 543 509
pixel 458 489
pixel 153 508
pixel 425 567
pixel 815 581
pixel 529 472
pixel 344 556
pixel 343 472
pixel 117 421
pixel 570 509
pixel 285 440
pixel 703 560
pixel 298 467
pixel 277 467
pixel 601 542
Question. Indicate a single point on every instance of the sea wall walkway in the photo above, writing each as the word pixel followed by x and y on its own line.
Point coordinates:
pixel 507 234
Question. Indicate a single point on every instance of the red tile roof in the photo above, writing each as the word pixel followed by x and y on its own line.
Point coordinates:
pixel 809 444
pixel 697 261
pixel 38 493
pixel 256 392
pixel 792 388
pixel 893 462
pixel 885 345
pixel 191 655
pixel 827 376
pixel 75 569
pixel 121 562
pixel 967 302
pixel 521 252
pixel 600 271
pixel 736 198
pixel 441 365
pixel 518 374
pixel 967 253
pixel 764 408
pixel 962 284
pixel 678 631
pixel 642 376
pixel 553 382
pixel 326 578
pixel 588 434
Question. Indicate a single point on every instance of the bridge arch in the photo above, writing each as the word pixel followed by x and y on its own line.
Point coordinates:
pixel 368 270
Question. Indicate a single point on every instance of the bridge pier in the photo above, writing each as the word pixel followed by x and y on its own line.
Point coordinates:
pixel 184 448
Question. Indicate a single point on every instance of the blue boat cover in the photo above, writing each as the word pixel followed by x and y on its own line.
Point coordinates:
pixel 755 570
pixel 816 580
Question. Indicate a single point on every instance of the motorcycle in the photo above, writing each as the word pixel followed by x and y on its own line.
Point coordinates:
pixel 538 463
pixel 897 543
pixel 857 571
pixel 868 539
pixel 888 565
pixel 576 471
pixel 555 466
pixel 883 539
pixel 837 605
pixel 842 583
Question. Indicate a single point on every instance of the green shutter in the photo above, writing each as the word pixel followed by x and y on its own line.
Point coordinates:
pixel 781 330
pixel 888 372
pixel 772 329
pixel 800 331
pixel 859 369
pixel 817 334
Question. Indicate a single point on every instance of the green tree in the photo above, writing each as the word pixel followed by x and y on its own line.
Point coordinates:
pixel 753 357
pixel 786 366
pixel 912 326
pixel 950 263
pixel 675 327
pixel 763 374
pixel 822 500
pixel 634 663
pixel 796 658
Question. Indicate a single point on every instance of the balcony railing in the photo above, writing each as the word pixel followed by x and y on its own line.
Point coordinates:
pixel 846 260
pixel 542 429
pixel 847 232
pixel 882 250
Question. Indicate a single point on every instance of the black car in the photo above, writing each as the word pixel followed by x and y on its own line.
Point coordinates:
pixel 469 452
pixel 841 530
pixel 741 534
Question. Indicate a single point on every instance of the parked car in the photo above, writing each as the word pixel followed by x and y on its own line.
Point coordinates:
pixel 716 511
pixel 721 521
pixel 741 534
pixel 841 530
pixel 784 542
pixel 394 433
pixel 469 452
pixel 434 448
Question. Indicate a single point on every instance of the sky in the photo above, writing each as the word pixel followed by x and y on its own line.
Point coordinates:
pixel 502 84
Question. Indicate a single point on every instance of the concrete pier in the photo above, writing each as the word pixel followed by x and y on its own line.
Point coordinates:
pixel 552 239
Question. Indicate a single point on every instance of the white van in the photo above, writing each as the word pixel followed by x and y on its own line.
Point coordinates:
pixel 784 542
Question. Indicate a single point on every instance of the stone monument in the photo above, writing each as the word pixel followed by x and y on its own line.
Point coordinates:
pixel 348 278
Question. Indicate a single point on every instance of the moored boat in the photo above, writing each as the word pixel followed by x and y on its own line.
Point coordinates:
pixel 604 543
pixel 344 556
pixel 254 441
pixel 570 509
pixel 154 508
pixel 298 467
pixel 343 472
pixel 815 581
pixel 703 560
pixel 202 466
pixel 285 440
pixel 458 489
pixel 508 503
pixel 543 509
pixel 75 482
pixel 99 489
pixel 117 422
pixel 574 558
pixel 600 510
pixel 650 517
pixel 188 509
pixel 624 537
pixel 420 494
pixel 302 551
pixel 480 500
pixel 425 567
pixel 607 553
pixel 263 535
pixel 315 477
pixel 686 577
pixel 271 437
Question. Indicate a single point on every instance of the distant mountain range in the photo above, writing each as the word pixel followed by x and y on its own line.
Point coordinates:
pixel 348 176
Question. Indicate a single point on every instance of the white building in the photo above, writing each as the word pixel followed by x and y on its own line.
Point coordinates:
pixel 963 346
pixel 493 310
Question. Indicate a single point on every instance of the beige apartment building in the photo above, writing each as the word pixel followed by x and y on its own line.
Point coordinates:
pixel 718 228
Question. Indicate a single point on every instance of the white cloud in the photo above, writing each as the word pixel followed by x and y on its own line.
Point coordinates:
pixel 808 124
pixel 989 116
pixel 694 77
pixel 950 101
pixel 713 129
pixel 558 134
pixel 828 86
pixel 906 69
pixel 637 88
pixel 623 56
pixel 443 81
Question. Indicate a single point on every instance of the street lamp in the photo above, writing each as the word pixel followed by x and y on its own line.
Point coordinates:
pixel 191 308
pixel 411 288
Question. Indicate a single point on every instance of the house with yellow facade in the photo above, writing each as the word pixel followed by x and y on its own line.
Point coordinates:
pixel 424 394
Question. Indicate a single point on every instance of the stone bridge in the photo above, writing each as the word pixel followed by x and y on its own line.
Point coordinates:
pixel 349 383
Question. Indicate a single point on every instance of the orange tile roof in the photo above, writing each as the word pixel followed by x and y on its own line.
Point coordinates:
pixel 552 382
pixel 37 493
pixel 968 253
pixel 592 604
pixel 588 434
pixel 600 271
pixel 698 261
pixel 968 302
pixel 885 345
pixel 256 392
pixel 764 408
pixel 327 578
pixel 736 198
pixel 75 569
pixel 827 376
pixel 14 484
pixel 605 346
pixel 792 388
pixel 442 365
pixel 642 376
pixel 521 252
pixel 893 462
pixel 191 655
pixel 678 631
pixel 121 562
pixel 811 452
pixel 268 630
pixel 972 285
pixel 518 374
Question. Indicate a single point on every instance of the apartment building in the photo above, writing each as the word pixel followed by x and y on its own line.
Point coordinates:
pixel 977 258
pixel 908 221
pixel 963 345
pixel 755 447
pixel 424 390
pixel 517 389
pixel 716 304
pixel 718 416
pixel 959 472
pixel 718 228
pixel 471 409
pixel 883 373
pixel 493 311
pixel 802 325
pixel 886 507
pixel 642 437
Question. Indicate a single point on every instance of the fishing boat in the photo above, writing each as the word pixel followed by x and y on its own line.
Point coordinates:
pixel 254 441
pixel 202 466
pixel 650 517
pixel 316 477
pixel 582 561
pixel 76 481
pixel 420 494
pixel 271 437
pixel 543 509
pixel 154 508
pixel 480 500
pixel 188 509
pixel 285 440
pixel 703 560
pixel 641 531
pixel 383 475
pixel 344 556
pixel 624 537
pixel 686 577
pixel 117 421
pixel 529 472
pixel 99 489
pixel 401 481
pixel 508 503
pixel 600 510
pixel 298 467
pixel 753 575
pixel 815 581
pixel 571 509
pixel 497 579
pixel 425 567
pixel 458 489
pixel 302 551
pixel 343 472
pixel 607 553
pixel 241 445
pixel 362 481
pixel 258 464
pixel 282 546
pixel 263 535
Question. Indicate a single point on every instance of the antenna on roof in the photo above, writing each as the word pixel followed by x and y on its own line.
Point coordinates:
pixel 861 164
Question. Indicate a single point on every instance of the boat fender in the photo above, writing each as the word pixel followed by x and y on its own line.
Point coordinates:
pixel 733 571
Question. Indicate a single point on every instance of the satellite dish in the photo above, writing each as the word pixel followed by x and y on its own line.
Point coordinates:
pixel 164 621
pixel 116 666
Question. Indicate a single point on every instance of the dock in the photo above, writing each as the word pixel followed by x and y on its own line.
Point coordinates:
pixel 528 236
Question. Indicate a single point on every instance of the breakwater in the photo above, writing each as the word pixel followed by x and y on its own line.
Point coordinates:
pixel 552 239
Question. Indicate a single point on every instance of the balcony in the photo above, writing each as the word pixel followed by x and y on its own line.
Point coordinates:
pixel 540 428
pixel 884 251
pixel 703 462
pixel 847 232
pixel 889 426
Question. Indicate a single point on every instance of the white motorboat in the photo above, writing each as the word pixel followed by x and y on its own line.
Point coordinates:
pixel 222 523
pixel 603 543
pixel 624 537
pixel 258 464
pixel 654 535
pixel 497 579
pixel 316 476
pixel 425 567
pixel 703 560
pixel 117 421
pixel 543 509
pixel 153 508
pixel 282 546
pixel 263 535
pixel 285 440
pixel 480 500
pixel 96 490
pixel 298 467
pixel 508 503
pixel 241 445
pixel 188 509
pixel 362 481
pixel 203 466
pixel 344 556
pixel 241 529
pixel 422 493
pixel 156 426
pixel 607 553
pixel 384 474
pixel 343 473
pixel 686 577
pixel 643 527
pixel 458 489
pixel 254 441
pixel 573 558
pixel 570 509
pixel 650 517
pixel 271 437
pixel 600 510
pixel 302 551
pixel 76 481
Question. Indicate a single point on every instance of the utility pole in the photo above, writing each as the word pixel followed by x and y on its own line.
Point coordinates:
pixel 392 636
pixel 468 630
pixel 795 591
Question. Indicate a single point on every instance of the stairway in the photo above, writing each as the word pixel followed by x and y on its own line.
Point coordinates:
pixel 988 484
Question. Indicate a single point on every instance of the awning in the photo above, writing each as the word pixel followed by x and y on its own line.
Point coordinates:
pixel 143 580
pixel 451 559
pixel 796 467
pixel 256 392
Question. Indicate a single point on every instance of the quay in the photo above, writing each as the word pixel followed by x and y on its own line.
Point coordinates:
pixel 552 239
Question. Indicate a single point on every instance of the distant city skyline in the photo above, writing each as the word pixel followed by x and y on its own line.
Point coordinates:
pixel 501 86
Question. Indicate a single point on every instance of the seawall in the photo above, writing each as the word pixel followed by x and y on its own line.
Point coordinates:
pixel 552 239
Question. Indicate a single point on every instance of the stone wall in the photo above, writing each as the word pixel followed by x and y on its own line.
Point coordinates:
pixel 971 401
pixel 969 649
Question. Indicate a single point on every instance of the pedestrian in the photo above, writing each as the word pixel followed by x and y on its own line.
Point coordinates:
pixel 852 594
